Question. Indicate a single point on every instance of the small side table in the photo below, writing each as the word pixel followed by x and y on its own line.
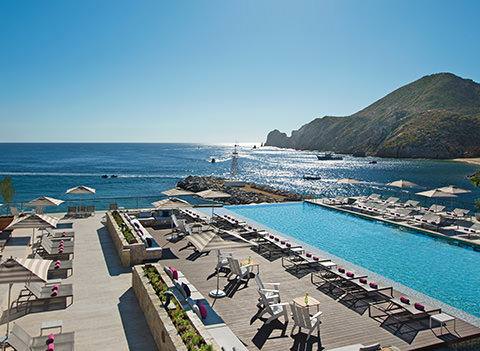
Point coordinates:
pixel 443 318
pixel 51 325
pixel 300 301
pixel 250 263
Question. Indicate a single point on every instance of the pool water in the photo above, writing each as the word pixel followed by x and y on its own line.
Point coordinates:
pixel 431 266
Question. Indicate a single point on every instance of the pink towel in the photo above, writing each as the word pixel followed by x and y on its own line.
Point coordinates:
pixel 51 338
pixel 174 273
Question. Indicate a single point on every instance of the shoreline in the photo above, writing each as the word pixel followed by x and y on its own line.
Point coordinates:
pixel 471 161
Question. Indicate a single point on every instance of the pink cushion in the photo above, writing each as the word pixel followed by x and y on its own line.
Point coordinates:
pixel 341 270
pixel 174 273
pixel 55 287
pixel 373 285
pixel 51 347
pixel 309 254
pixel 404 299
pixel 54 293
pixel 419 306
pixel 203 310
pixel 363 280
pixel 350 274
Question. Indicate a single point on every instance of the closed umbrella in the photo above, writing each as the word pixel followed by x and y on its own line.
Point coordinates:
pixel 15 270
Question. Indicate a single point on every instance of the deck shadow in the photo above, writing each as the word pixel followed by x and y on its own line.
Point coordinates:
pixel 168 254
pixel 114 266
pixel 264 333
pixel 300 342
pixel 18 241
pixel 404 328
pixel 134 324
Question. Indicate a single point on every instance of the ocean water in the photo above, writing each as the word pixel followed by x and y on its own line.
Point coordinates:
pixel 145 170
pixel 433 267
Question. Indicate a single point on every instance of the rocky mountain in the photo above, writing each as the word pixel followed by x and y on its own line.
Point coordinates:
pixel 437 116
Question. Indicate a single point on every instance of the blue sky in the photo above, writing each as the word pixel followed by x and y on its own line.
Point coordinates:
pixel 215 71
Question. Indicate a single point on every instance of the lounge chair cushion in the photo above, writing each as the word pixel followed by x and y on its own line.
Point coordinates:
pixel 168 271
pixel 203 310
pixel 373 347
pixel 186 290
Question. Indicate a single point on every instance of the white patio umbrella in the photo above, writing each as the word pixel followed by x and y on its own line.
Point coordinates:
pixel 33 221
pixel 44 201
pixel 172 203
pixel 218 240
pixel 81 189
pixel 348 181
pixel 452 189
pixel 177 192
pixel 435 193
pixel 402 184
pixel 212 194
pixel 15 270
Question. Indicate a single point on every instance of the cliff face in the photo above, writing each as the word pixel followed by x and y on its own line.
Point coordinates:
pixel 437 116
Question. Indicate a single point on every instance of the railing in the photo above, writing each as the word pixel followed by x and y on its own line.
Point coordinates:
pixel 103 203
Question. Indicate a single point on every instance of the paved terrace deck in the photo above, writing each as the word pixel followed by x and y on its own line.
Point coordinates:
pixel 340 325
pixel 105 314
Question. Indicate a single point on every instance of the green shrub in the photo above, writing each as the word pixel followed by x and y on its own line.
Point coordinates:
pixel 126 231
pixel 190 336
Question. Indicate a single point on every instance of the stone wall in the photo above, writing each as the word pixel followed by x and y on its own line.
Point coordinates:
pixel 161 327
pixel 129 254
pixel 118 239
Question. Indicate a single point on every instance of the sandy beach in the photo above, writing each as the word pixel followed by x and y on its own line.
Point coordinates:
pixel 473 161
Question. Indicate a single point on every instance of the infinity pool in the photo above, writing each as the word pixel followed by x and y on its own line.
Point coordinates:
pixel 431 266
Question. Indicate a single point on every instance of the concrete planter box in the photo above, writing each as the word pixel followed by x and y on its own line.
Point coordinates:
pixel 130 254
pixel 163 331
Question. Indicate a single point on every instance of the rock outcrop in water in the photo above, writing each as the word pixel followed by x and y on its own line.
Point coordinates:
pixel 246 193
pixel 437 116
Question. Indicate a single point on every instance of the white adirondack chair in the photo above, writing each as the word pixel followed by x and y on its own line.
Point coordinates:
pixel 222 260
pixel 302 319
pixel 274 310
pixel 272 293
pixel 240 272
